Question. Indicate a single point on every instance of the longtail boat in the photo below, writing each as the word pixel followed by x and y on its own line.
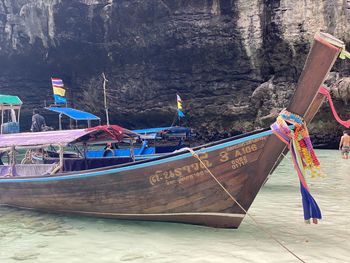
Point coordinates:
pixel 177 187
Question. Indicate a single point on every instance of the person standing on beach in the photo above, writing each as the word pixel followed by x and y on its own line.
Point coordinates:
pixel 344 145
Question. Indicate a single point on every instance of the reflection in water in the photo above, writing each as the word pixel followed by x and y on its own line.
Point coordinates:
pixel 27 236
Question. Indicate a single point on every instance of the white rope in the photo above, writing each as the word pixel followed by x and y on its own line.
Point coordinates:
pixel 244 210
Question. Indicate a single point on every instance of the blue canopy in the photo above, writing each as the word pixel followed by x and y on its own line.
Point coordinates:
pixel 153 133
pixel 151 130
pixel 74 114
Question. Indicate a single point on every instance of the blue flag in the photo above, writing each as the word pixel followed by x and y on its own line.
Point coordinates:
pixel 180 114
pixel 59 99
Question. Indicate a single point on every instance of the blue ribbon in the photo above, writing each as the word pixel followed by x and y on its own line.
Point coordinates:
pixel 311 209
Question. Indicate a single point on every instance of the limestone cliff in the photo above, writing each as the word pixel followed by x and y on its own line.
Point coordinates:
pixel 234 62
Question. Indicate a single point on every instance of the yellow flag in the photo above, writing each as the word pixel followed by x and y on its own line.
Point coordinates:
pixel 179 105
pixel 59 91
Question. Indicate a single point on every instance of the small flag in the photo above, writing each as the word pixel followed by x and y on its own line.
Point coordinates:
pixel 57 82
pixel 59 99
pixel 58 90
pixel 179 107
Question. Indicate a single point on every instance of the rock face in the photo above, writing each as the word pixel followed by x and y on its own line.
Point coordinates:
pixel 234 63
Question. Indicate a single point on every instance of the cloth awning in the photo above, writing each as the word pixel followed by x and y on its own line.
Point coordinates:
pixel 74 114
pixel 154 133
pixel 10 102
pixel 95 135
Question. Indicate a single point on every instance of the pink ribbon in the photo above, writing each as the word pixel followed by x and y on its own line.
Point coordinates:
pixel 325 92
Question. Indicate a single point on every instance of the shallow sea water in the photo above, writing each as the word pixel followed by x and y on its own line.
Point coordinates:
pixel 35 237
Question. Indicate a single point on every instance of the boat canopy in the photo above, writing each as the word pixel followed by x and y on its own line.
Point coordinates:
pixel 10 102
pixel 158 133
pixel 95 135
pixel 74 114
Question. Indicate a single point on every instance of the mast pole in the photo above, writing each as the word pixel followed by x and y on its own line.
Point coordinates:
pixel 177 106
pixel 2 118
pixel 60 121
pixel 105 96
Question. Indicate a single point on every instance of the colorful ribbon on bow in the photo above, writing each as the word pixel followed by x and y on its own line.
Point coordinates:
pixel 304 158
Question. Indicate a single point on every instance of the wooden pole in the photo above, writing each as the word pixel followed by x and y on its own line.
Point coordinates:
pixel 132 154
pixel 60 121
pixel 105 96
pixel 61 149
pixel 19 114
pixel 85 157
pixel 2 118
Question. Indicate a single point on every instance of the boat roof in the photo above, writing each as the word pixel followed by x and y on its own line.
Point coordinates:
pixel 74 114
pixel 95 135
pixel 10 100
pixel 155 133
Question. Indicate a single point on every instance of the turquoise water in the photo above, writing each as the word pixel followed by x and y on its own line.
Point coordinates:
pixel 35 237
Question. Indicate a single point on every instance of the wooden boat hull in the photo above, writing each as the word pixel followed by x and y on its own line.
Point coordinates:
pixel 176 187
pixel 180 190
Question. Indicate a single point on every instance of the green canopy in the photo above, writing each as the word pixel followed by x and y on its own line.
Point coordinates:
pixel 10 100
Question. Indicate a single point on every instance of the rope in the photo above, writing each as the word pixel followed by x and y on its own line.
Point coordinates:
pixel 244 210
pixel 27 157
pixel 55 169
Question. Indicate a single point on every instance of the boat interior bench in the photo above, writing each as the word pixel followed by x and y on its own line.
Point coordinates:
pixel 27 169
pixel 79 164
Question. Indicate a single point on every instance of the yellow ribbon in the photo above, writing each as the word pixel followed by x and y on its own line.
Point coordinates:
pixel 344 54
